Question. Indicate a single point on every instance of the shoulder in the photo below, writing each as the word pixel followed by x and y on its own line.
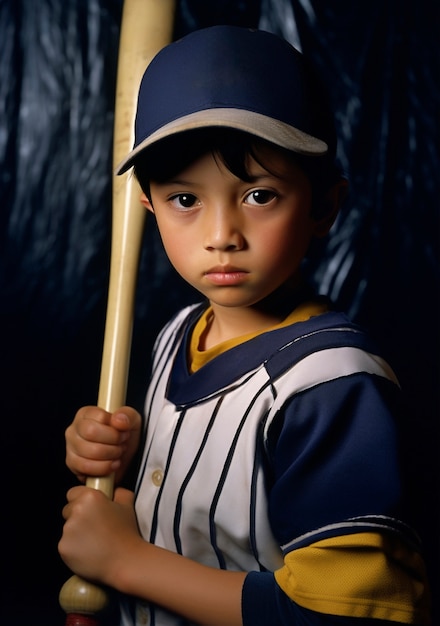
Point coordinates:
pixel 324 367
pixel 327 341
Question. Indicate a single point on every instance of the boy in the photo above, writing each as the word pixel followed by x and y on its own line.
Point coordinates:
pixel 269 489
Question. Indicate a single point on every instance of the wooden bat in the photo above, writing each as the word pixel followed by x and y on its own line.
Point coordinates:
pixel 147 26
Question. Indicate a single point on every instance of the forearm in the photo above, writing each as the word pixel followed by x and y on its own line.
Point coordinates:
pixel 203 595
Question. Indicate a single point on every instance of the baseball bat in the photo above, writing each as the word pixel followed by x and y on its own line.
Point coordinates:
pixel 146 26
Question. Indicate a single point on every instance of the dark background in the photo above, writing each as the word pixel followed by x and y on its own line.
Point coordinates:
pixel 380 61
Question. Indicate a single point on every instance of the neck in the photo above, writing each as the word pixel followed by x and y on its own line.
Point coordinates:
pixel 230 322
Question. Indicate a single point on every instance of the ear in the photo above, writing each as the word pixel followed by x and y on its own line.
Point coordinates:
pixel 147 203
pixel 333 200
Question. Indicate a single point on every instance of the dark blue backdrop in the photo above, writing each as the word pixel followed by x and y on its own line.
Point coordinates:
pixel 380 61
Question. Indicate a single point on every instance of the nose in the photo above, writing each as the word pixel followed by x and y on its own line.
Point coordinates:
pixel 223 231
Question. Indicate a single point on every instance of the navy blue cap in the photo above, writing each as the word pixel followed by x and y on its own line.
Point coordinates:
pixel 234 77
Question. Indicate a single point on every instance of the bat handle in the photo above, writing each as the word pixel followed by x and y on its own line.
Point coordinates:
pixel 147 26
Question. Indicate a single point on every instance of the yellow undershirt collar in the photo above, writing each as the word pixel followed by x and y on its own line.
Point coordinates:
pixel 198 357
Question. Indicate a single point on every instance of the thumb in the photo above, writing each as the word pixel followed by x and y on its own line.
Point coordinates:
pixel 126 419
pixel 124 497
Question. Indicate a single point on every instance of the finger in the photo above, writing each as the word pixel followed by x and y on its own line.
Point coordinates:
pixel 124 496
pixel 76 492
pixel 71 496
pixel 95 425
pixel 90 458
pixel 86 466
pixel 126 419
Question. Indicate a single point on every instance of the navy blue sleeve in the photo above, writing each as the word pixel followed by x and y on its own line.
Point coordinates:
pixel 334 456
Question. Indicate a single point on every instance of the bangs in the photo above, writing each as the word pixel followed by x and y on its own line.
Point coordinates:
pixel 165 159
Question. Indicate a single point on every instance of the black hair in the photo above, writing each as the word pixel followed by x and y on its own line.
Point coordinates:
pixel 168 157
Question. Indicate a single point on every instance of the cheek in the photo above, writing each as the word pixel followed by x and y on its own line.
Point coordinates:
pixel 174 247
pixel 178 248
pixel 285 243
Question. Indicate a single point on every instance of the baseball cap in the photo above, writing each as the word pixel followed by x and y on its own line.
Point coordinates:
pixel 235 77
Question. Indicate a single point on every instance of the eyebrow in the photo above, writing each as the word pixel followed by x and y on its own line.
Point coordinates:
pixel 180 182
pixel 252 178
pixel 175 181
pixel 256 178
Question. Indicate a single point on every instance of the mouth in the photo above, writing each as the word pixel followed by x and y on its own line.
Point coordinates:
pixel 226 275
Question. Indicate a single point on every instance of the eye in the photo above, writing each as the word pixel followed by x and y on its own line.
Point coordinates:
pixel 260 197
pixel 184 201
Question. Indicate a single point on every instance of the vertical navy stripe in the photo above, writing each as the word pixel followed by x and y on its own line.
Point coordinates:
pixel 170 454
pixel 178 512
pixel 259 462
pixel 230 455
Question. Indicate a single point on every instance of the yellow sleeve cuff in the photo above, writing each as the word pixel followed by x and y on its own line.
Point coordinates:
pixel 359 575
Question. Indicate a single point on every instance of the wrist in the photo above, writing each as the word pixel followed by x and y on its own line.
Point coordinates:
pixel 124 571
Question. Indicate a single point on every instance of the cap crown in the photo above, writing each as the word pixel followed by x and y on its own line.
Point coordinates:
pixel 230 76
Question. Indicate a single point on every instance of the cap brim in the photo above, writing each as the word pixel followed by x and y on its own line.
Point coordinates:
pixel 262 126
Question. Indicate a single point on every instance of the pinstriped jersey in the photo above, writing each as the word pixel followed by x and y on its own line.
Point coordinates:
pixel 269 448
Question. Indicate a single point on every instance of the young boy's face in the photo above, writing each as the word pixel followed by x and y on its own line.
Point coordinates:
pixel 234 241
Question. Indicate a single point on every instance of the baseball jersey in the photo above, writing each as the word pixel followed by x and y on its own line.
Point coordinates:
pixel 279 457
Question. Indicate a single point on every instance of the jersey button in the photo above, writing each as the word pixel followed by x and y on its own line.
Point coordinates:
pixel 157 477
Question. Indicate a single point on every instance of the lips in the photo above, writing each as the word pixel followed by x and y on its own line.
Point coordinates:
pixel 226 275
pixel 225 269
